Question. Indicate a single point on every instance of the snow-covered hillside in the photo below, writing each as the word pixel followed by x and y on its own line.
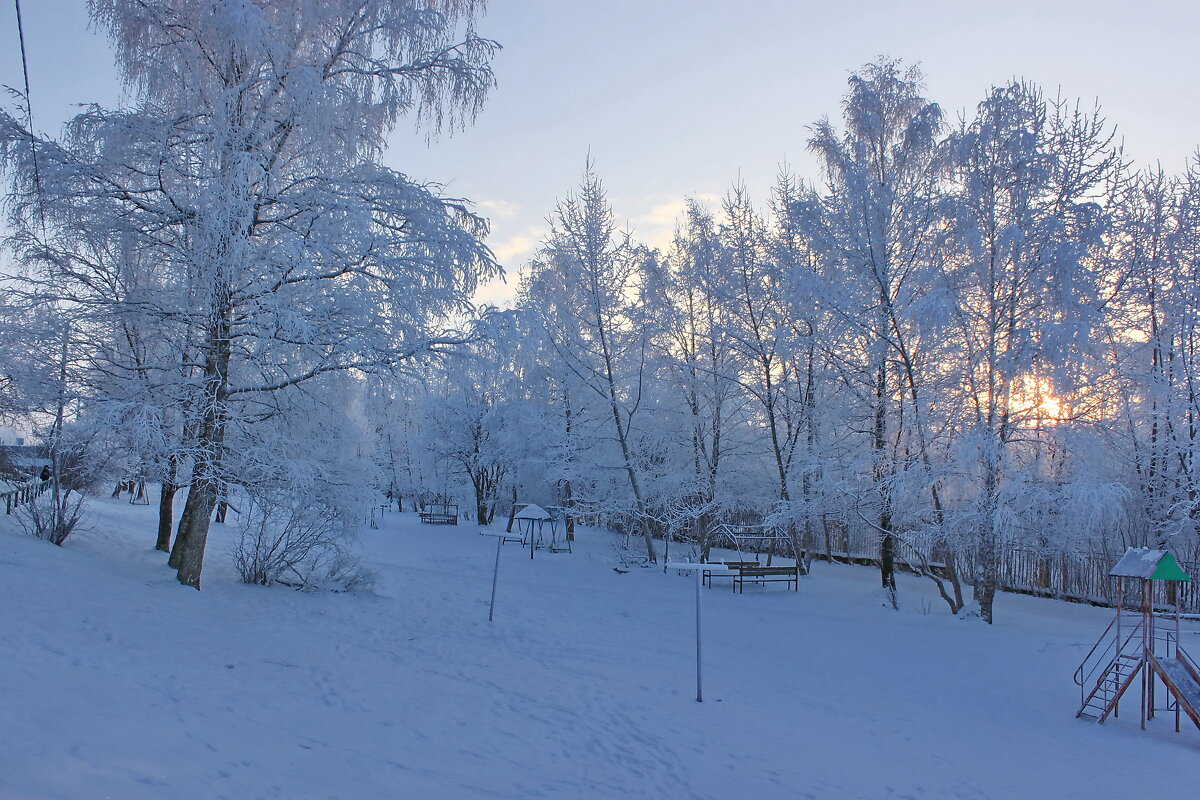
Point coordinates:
pixel 120 683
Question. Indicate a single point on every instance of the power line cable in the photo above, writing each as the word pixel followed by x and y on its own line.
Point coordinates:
pixel 37 174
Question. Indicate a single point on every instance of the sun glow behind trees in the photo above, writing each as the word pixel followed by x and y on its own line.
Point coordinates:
pixel 1013 378
pixel 919 344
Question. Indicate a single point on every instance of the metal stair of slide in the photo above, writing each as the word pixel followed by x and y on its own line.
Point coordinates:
pixel 1109 667
pixel 1120 653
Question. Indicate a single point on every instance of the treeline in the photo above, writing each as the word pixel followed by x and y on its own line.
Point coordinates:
pixel 966 339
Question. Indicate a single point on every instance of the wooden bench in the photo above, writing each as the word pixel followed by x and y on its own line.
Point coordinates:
pixel 755 572
pixel 761 573
pixel 439 514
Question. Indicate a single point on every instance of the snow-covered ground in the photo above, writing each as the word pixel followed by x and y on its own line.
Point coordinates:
pixel 119 683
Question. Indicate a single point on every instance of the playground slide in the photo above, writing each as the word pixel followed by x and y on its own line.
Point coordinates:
pixel 1183 683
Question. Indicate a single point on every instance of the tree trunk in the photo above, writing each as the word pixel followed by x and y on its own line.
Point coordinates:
pixel 166 512
pixel 512 512
pixel 569 502
pixel 568 491
pixel 887 554
pixel 634 485
pixel 481 507
pixel 188 554
pixel 623 439
pixel 951 562
pixel 222 508
pixel 193 530
pixel 985 590
pixel 988 577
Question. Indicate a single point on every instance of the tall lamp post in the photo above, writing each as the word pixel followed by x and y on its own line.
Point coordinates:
pixel 699 570
pixel 502 538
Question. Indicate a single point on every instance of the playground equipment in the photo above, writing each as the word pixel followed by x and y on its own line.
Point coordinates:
pixel 751 542
pixel 1135 645
pixel 534 522
pixel 439 513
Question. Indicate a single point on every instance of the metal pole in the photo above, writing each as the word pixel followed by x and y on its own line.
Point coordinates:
pixel 1178 609
pixel 495 574
pixel 1153 644
pixel 1145 660
pixel 1120 602
pixel 699 689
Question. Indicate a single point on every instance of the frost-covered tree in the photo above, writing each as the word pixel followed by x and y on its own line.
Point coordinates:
pixel 400 447
pixel 12 353
pixel 301 494
pixel 1150 335
pixel 696 319
pixel 247 167
pixel 872 230
pixel 564 416
pixel 808 366
pixel 476 416
pixel 1031 180
pixel 757 326
pixel 586 286
pixel 47 375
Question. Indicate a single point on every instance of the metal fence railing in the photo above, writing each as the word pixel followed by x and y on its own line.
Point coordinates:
pixel 1067 575
pixel 1078 576
pixel 17 497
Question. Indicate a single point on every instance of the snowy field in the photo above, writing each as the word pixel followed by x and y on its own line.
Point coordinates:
pixel 119 683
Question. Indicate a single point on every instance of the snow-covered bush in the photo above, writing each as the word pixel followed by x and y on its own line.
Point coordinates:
pixel 52 515
pixel 80 455
pixel 299 542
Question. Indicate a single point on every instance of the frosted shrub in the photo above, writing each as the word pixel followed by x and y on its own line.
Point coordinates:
pixel 52 515
pixel 79 456
pixel 338 570
pixel 298 543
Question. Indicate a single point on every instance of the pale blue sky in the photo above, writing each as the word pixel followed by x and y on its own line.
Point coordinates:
pixel 675 98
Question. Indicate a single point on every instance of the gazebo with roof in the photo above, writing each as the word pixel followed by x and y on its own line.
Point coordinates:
pixel 534 523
